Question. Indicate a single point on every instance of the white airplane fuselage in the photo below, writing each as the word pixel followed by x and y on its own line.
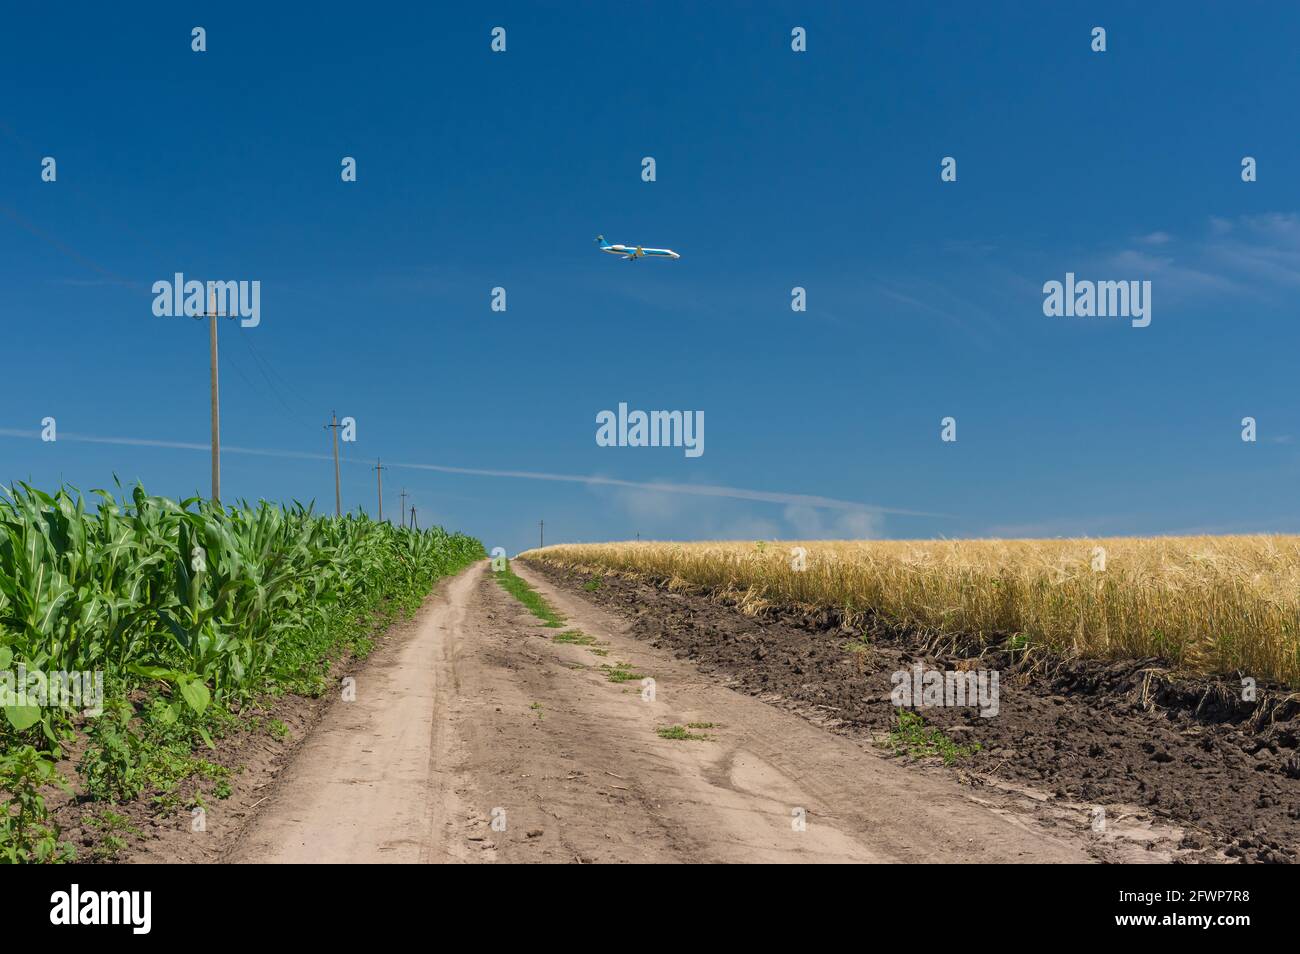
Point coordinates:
pixel 636 251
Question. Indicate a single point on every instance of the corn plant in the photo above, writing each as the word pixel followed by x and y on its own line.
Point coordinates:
pixel 198 599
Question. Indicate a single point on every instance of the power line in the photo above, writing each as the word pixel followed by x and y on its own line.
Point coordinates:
pixel 259 363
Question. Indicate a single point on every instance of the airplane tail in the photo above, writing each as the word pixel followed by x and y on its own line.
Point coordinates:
pixel 600 239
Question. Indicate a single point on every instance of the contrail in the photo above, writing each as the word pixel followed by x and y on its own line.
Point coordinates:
pixel 591 480
pixel 699 490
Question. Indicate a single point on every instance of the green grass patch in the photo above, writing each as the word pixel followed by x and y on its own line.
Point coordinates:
pixel 620 672
pixel 520 590
pixel 701 725
pixel 678 733
pixel 575 636
pixel 914 738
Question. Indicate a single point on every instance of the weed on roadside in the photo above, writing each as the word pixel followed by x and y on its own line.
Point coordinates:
pixel 860 651
pixel 912 737
pixel 574 636
pixel 517 587
pixel 678 733
pixel 113 829
pixel 620 672
pixel 26 833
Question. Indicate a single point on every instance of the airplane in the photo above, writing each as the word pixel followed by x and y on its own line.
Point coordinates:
pixel 631 253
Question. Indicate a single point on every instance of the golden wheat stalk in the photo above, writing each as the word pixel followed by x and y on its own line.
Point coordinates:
pixel 1211 605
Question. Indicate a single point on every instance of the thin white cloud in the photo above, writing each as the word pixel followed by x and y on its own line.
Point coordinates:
pixel 701 490
pixel 1155 238
pixel 590 480
pixel 1167 270
pixel 813 524
pixel 1256 256
pixel 1264 247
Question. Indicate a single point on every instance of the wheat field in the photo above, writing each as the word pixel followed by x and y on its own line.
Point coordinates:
pixel 1210 605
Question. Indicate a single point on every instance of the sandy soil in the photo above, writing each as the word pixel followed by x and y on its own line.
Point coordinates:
pixel 479 738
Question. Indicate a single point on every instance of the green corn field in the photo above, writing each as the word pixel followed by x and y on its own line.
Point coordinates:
pixel 195 607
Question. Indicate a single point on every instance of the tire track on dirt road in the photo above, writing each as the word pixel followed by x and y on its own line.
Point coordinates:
pixel 480 717
pixel 365 785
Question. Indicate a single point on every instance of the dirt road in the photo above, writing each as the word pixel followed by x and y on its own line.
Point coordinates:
pixel 480 738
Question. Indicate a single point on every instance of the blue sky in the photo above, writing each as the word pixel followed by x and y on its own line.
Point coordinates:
pixel 774 169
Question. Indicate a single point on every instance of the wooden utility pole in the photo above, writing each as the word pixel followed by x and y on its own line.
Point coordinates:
pixel 379 473
pixel 401 514
pixel 338 497
pixel 216 403
pixel 541 534
pixel 414 525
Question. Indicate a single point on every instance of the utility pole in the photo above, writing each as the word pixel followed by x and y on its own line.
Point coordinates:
pixel 414 525
pixel 401 514
pixel 541 534
pixel 338 498
pixel 379 473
